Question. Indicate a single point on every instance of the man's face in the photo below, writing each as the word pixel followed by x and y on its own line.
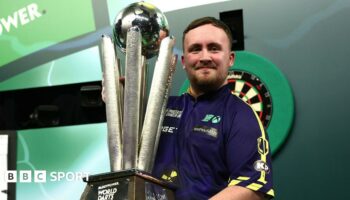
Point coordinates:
pixel 207 57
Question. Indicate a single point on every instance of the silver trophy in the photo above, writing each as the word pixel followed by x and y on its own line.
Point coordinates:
pixel 141 31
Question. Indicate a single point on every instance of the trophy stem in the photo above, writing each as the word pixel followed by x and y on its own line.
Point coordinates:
pixel 163 111
pixel 143 99
pixel 113 103
pixel 132 98
pixel 153 117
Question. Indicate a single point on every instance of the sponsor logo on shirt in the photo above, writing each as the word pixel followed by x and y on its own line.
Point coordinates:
pixel 170 176
pixel 260 165
pixel 211 118
pixel 173 113
pixel 263 146
pixel 168 129
pixel 213 132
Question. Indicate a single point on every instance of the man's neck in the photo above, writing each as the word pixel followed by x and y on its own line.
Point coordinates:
pixel 196 91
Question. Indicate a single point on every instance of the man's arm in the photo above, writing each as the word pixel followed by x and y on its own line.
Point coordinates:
pixel 237 193
pixel 248 158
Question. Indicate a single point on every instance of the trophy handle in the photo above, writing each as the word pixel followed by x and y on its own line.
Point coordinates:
pixel 165 102
pixel 113 102
pixel 157 100
pixel 132 98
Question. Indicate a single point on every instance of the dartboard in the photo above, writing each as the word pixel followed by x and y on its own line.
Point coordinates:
pixel 254 92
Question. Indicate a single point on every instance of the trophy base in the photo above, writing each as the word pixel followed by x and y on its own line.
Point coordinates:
pixel 128 184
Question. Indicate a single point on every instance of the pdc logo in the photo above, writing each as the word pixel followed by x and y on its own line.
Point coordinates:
pixel 42 176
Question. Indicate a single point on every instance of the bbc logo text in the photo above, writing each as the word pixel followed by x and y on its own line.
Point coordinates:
pixel 42 176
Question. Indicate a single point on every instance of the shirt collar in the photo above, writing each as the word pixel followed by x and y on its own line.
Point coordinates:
pixel 211 95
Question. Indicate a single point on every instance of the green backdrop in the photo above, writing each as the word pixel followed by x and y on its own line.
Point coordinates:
pixel 306 40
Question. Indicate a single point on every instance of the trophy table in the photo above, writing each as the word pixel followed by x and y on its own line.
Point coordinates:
pixel 141 31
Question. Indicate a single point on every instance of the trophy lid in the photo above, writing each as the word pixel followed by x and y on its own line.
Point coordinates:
pixel 151 22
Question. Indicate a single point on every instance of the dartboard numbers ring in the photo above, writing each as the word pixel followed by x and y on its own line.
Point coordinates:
pixel 254 92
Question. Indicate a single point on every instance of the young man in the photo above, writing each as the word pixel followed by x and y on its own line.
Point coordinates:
pixel 212 144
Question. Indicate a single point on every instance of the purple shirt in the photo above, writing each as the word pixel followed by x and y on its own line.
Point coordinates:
pixel 210 143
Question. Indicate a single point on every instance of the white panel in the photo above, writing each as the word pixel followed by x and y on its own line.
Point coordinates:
pixel 256 106
pixel 251 93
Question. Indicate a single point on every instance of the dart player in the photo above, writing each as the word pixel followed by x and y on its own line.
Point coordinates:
pixel 212 143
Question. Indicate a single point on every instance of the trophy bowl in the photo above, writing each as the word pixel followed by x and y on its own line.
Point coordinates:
pixel 151 22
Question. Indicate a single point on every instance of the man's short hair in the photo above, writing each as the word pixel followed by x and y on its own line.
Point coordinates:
pixel 208 20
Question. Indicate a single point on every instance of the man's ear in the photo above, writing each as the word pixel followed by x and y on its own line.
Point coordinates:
pixel 232 58
pixel 183 62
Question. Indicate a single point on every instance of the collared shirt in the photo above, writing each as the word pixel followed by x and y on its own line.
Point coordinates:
pixel 211 142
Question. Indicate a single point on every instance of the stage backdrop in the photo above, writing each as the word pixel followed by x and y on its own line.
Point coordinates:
pixel 50 43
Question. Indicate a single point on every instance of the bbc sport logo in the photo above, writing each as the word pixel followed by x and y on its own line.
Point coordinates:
pixel 42 176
